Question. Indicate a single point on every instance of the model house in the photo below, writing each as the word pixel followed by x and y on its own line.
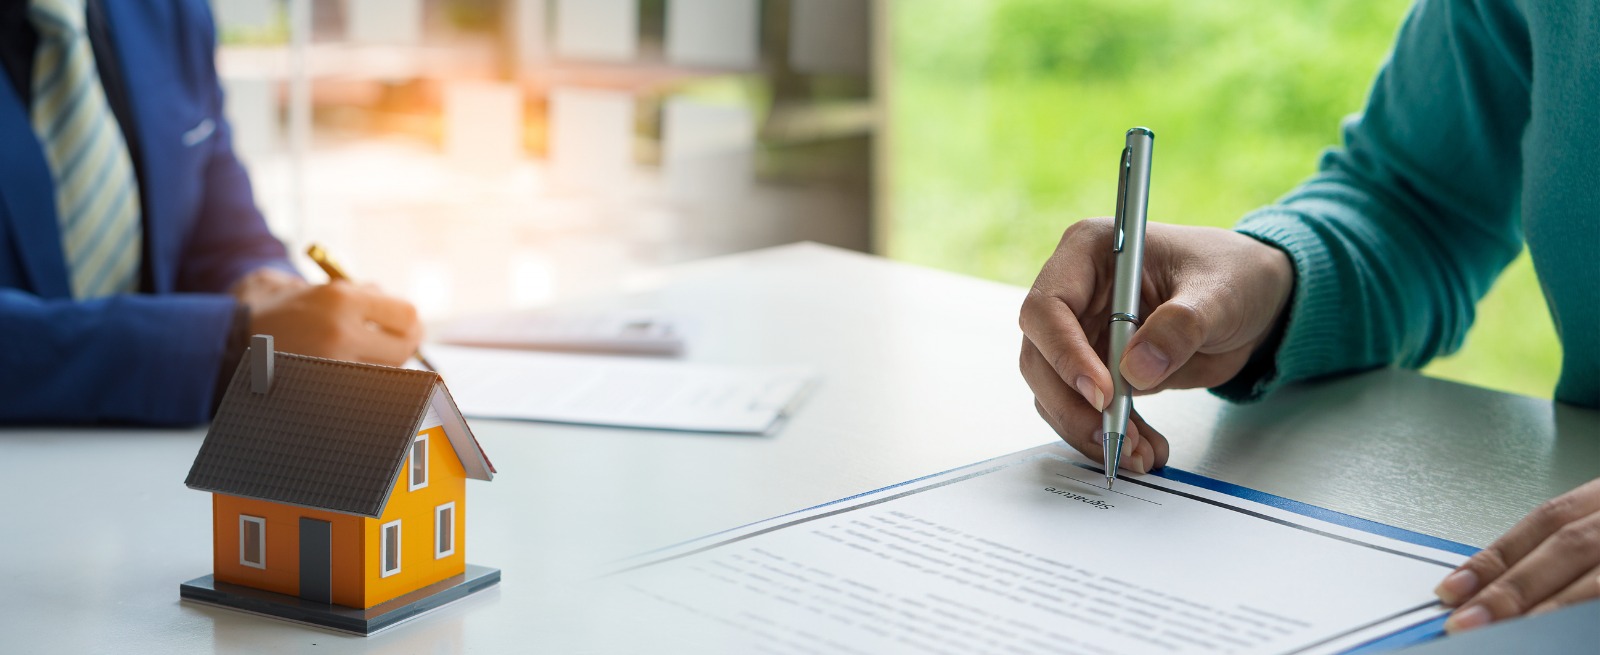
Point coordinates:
pixel 336 482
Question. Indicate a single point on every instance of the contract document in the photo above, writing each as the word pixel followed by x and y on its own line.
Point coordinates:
pixel 1032 553
pixel 618 391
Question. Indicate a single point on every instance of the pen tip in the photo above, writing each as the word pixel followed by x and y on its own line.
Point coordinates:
pixel 1109 480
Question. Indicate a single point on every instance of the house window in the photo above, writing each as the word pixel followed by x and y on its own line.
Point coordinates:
pixel 419 462
pixel 391 548
pixel 444 526
pixel 253 541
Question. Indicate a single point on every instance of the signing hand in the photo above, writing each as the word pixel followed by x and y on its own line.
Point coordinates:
pixel 1216 296
pixel 1548 560
pixel 338 320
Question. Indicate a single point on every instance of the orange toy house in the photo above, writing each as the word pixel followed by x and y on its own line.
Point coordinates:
pixel 338 493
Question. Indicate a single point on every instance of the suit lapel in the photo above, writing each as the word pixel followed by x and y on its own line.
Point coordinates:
pixel 138 33
pixel 28 191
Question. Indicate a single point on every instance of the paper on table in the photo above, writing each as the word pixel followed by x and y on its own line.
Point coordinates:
pixel 605 390
pixel 1032 554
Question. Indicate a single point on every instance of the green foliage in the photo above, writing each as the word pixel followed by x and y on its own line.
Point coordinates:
pixel 1008 115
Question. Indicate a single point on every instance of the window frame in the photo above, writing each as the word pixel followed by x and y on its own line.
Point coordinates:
pixel 261 541
pixel 383 548
pixel 449 507
pixel 427 462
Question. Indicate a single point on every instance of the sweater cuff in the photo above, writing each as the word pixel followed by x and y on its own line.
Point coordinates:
pixel 1311 328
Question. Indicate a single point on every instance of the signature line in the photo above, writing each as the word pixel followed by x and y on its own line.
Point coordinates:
pixel 1105 489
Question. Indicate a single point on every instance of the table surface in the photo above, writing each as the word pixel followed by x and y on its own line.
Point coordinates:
pixel 918 375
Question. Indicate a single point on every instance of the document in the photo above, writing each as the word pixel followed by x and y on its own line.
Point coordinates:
pixel 1032 553
pixel 618 391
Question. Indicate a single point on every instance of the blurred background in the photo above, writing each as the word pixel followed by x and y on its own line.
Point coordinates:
pixel 480 155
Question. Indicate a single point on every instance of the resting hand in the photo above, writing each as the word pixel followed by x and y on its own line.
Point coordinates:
pixel 338 320
pixel 1548 560
pixel 265 285
pixel 1216 296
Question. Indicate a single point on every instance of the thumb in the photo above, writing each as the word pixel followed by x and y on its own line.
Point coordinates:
pixel 1167 339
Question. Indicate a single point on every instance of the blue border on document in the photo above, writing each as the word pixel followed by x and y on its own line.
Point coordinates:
pixel 1425 631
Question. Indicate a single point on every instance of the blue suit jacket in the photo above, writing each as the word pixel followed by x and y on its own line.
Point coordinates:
pixel 151 357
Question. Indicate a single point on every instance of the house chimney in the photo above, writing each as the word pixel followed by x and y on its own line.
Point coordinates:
pixel 261 363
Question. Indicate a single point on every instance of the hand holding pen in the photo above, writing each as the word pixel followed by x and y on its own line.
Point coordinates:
pixel 1206 301
pixel 338 320
pixel 336 273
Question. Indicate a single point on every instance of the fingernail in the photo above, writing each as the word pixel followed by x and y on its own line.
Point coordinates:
pixel 1467 619
pixel 1144 365
pixel 1457 587
pixel 1091 392
pixel 1127 449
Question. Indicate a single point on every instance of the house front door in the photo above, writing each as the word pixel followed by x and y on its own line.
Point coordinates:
pixel 316 560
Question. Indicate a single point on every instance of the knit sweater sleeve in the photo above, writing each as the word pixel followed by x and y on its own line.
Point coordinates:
pixel 1405 226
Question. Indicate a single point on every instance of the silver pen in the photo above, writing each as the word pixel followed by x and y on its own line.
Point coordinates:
pixel 1133 196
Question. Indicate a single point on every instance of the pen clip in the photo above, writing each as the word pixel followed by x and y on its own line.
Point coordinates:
pixel 1124 165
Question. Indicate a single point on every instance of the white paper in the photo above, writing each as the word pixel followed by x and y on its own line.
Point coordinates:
pixel 601 30
pixel 591 141
pixel 715 33
pixel 1033 554
pixel 617 391
pixel 613 332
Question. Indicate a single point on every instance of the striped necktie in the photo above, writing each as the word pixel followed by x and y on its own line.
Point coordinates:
pixel 97 197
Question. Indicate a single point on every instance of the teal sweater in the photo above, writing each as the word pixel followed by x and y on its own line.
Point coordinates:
pixel 1481 131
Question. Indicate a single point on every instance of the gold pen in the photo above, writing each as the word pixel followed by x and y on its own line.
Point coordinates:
pixel 320 256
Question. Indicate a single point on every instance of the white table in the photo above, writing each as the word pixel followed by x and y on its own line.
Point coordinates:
pixel 918 375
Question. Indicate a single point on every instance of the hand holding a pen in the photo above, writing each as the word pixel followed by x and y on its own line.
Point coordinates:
pixel 1210 298
pixel 338 320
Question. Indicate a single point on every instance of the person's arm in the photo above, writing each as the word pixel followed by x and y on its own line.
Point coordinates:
pixel 122 359
pixel 1408 224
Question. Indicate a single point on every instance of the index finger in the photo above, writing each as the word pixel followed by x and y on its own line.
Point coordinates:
pixel 382 347
pixel 1051 315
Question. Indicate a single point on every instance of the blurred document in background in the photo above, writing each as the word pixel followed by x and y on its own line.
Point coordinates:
pixel 616 391
pixel 614 332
